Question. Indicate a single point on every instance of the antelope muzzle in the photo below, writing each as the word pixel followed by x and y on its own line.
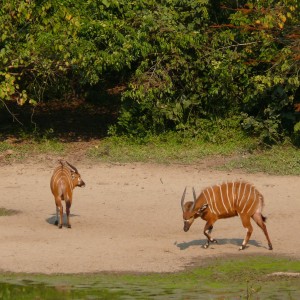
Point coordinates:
pixel 81 183
pixel 186 225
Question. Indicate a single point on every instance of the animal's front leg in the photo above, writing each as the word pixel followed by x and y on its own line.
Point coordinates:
pixel 207 230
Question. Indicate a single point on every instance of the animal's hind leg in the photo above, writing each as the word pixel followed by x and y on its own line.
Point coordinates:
pixel 258 218
pixel 247 224
pixel 56 221
pixel 68 206
pixel 59 208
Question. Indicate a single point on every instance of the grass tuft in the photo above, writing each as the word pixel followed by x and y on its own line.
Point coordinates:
pixel 7 212
pixel 21 150
pixel 168 148
pixel 237 152
pixel 279 160
pixel 219 278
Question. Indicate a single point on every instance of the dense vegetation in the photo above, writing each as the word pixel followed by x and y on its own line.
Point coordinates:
pixel 191 66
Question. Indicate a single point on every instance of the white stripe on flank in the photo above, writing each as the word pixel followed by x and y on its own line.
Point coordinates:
pixel 55 176
pixel 62 175
pixel 250 192
pixel 215 200
pixel 241 199
pixel 211 201
pixel 233 196
pixel 238 197
pixel 210 206
pixel 69 178
pixel 228 198
pixel 221 193
pixel 254 201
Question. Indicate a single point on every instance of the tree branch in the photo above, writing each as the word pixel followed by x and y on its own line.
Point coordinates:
pixel 11 113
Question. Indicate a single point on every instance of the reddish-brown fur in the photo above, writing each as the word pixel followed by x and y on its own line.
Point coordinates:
pixel 225 201
pixel 64 179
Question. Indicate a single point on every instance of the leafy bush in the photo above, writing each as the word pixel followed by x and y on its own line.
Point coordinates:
pixel 184 63
pixel 202 71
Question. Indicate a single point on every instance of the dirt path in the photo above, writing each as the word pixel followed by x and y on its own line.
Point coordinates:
pixel 128 218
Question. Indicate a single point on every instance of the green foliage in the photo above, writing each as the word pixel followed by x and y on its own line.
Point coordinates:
pixel 274 77
pixel 201 70
pixel 35 49
pixel 184 63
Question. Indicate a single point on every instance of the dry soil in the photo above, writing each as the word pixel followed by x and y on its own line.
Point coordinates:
pixel 129 218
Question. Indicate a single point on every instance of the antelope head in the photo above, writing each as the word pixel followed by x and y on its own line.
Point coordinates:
pixel 76 178
pixel 189 211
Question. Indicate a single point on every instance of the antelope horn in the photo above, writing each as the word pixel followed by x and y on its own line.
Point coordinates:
pixel 182 198
pixel 195 198
pixel 72 167
pixel 194 193
pixel 62 162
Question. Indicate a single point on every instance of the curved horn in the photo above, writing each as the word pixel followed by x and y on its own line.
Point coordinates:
pixel 182 198
pixel 194 193
pixel 72 167
pixel 62 162
pixel 195 198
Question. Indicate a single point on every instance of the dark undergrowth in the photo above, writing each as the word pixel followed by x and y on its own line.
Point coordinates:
pixel 78 129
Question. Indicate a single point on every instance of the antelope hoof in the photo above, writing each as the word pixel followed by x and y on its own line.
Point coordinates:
pixel 56 223
pixel 214 241
pixel 69 226
pixel 60 226
pixel 242 247
pixel 206 246
pixel 270 247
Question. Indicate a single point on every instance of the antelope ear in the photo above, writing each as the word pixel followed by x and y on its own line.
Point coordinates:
pixel 203 208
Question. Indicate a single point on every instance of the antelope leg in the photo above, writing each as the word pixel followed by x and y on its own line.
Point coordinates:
pixel 247 224
pixel 207 230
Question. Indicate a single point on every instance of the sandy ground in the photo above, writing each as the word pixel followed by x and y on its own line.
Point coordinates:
pixel 128 218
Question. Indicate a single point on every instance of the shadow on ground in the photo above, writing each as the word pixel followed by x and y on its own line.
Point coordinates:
pixel 201 243
pixel 51 220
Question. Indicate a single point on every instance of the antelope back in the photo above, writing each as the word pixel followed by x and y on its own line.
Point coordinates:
pixel 230 198
pixel 61 179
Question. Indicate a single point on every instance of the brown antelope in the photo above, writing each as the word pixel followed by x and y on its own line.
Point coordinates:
pixel 64 179
pixel 225 201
